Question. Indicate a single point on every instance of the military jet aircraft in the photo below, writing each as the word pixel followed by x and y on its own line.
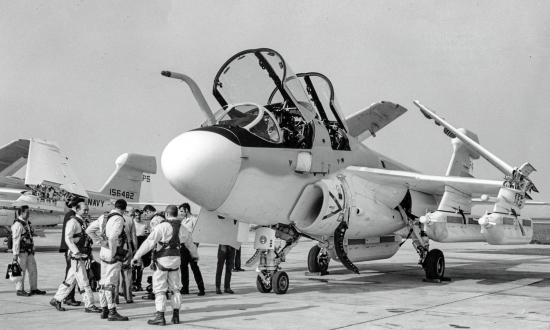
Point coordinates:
pixel 279 154
pixel 49 180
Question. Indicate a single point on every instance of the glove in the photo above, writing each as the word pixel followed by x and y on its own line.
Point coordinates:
pixel 15 257
pixel 80 256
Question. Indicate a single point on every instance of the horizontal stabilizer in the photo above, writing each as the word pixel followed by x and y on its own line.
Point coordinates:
pixel 367 122
pixel 125 182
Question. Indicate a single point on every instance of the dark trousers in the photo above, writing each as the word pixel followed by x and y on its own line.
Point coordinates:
pixel 137 272
pixel 70 296
pixel 238 259
pixel 226 254
pixel 186 260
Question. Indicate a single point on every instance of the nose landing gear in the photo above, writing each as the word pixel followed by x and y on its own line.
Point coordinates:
pixel 270 276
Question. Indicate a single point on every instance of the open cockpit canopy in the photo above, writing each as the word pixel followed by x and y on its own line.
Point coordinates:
pixel 258 92
pixel 254 76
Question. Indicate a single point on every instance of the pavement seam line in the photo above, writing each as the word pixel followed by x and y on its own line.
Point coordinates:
pixel 438 305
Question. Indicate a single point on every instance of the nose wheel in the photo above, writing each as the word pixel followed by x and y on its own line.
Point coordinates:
pixel 280 282
pixel 262 286
pixel 270 276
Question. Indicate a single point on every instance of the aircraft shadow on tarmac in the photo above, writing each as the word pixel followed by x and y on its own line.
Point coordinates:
pixel 523 251
pixel 385 277
pixel 229 308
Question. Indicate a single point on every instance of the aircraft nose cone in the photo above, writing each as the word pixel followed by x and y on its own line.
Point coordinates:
pixel 202 166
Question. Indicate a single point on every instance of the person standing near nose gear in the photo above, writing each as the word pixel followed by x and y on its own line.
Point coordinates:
pixel 166 238
pixel 109 230
pixel 71 204
pixel 226 254
pixel 23 252
pixel 189 221
pixel 79 245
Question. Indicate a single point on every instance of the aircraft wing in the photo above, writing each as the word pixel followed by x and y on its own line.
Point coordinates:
pixel 13 156
pixel 367 122
pixel 47 162
pixel 430 184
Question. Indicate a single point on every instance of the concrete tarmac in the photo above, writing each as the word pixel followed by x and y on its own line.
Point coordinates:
pixel 492 287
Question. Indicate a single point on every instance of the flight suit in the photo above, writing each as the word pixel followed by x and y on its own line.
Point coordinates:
pixel 80 249
pixel 109 230
pixel 64 249
pixel 167 261
pixel 23 245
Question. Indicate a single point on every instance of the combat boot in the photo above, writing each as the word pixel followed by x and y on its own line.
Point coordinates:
pixel 158 320
pixel 115 316
pixel 104 312
pixel 57 305
pixel 176 316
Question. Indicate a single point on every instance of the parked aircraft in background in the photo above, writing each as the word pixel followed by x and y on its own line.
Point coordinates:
pixel 279 154
pixel 49 180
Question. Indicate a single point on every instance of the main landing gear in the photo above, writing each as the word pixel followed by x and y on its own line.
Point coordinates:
pixel 270 276
pixel 318 260
pixel 432 261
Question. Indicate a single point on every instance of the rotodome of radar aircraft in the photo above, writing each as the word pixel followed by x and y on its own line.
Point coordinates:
pixel 280 155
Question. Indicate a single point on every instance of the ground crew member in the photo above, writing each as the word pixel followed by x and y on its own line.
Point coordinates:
pixel 109 230
pixel 80 253
pixel 166 238
pixel 23 252
pixel 71 204
pixel 189 221
pixel 226 254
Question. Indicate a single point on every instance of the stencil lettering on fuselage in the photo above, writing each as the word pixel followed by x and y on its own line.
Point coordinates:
pixel 121 193
pixel 96 202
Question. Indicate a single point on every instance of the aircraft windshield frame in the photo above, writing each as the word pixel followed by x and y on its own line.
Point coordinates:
pixel 256 119
pixel 317 94
pixel 250 76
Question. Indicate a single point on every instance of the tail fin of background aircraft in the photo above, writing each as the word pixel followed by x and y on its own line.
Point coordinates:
pixel 13 156
pixel 125 182
pixel 461 160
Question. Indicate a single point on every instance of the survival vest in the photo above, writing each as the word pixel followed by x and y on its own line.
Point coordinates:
pixel 170 248
pixel 121 253
pixel 84 243
pixel 26 244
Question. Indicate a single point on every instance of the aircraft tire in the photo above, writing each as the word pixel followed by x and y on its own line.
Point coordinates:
pixel 315 262
pixel 434 265
pixel 280 282
pixel 261 287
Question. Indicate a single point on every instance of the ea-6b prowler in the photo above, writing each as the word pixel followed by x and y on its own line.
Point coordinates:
pixel 279 154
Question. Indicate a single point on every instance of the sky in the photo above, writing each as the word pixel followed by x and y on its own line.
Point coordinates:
pixel 86 74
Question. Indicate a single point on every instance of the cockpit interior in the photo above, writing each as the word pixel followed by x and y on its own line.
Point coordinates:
pixel 259 93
